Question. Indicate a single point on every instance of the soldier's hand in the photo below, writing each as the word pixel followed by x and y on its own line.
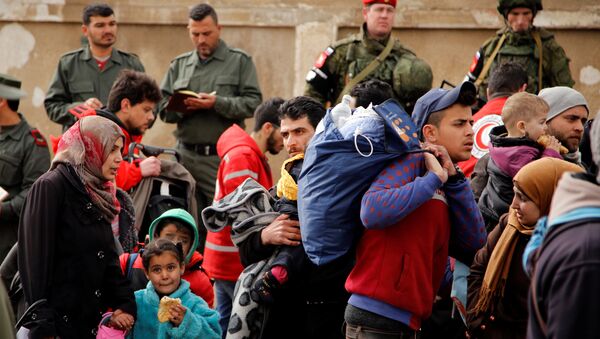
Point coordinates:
pixel 282 231
pixel 204 101
pixel 93 103
pixel 150 167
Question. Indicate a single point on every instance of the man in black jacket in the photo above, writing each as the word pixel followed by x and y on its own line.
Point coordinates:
pixel 311 306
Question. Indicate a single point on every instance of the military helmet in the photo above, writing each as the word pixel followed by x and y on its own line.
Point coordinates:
pixel 504 6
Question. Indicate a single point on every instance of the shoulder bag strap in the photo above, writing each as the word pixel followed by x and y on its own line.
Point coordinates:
pixel 367 70
pixel 538 43
pixel 488 62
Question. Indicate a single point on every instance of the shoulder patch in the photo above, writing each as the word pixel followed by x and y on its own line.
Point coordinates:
pixel 38 138
pixel 323 57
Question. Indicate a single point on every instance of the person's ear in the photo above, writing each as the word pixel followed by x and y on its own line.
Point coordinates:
pixel 523 88
pixel 182 267
pixel 84 30
pixel 125 105
pixel 430 133
pixel 3 103
pixel 365 10
pixel 521 126
pixel 267 128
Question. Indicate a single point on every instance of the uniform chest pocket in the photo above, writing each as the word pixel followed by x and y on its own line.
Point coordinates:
pixel 82 90
pixel 227 85
pixel 180 84
pixel 10 175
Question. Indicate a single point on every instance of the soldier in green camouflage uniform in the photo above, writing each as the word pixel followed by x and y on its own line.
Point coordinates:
pixel 519 46
pixel 409 76
pixel 212 67
pixel 24 156
pixel 85 76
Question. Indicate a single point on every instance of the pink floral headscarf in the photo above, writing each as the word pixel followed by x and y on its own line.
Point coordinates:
pixel 86 146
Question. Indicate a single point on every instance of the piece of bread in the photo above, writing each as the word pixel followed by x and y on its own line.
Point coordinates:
pixel 544 140
pixel 164 306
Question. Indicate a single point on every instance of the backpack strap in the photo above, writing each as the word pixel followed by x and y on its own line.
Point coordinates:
pixel 130 262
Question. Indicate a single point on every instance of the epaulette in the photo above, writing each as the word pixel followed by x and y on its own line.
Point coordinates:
pixel 240 51
pixel 184 55
pixel 127 53
pixel 544 34
pixel 348 40
pixel 72 53
pixel 38 138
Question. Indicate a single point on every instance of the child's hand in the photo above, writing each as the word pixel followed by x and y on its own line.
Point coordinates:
pixel 177 313
pixel 553 143
pixel 121 320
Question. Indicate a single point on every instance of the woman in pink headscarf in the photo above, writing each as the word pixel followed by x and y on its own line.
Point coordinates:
pixel 67 256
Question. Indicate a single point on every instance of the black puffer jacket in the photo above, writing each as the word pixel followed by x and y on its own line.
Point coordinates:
pixel 67 255
pixel 498 194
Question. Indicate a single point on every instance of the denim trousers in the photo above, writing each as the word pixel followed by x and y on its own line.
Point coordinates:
pixel 224 293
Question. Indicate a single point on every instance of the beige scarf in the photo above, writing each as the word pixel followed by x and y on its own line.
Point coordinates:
pixel 537 180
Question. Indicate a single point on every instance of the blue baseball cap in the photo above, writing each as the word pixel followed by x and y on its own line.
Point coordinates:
pixel 438 99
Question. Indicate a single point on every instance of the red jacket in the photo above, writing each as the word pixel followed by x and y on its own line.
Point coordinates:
pixel 488 117
pixel 194 274
pixel 412 222
pixel 128 174
pixel 240 159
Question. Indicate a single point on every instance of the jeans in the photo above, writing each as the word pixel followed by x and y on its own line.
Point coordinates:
pixel 362 332
pixel 224 290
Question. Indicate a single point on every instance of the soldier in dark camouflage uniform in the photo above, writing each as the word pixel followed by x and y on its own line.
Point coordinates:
pixel 409 76
pixel 519 46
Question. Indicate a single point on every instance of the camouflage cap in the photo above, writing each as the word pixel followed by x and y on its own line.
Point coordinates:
pixel 10 88
pixel 504 6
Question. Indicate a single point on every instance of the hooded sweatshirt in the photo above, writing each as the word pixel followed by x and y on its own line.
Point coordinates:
pixel 241 158
pixel 199 280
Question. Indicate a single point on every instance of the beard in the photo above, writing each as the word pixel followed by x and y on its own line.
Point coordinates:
pixel 272 145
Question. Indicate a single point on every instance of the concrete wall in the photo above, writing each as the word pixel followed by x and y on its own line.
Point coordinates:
pixel 284 38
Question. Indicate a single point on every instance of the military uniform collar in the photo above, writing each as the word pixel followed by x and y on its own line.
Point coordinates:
pixel 115 56
pixel 220 54
pixel 16 131
pixel 371 44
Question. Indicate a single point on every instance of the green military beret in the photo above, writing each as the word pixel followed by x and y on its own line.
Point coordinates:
pixel 10 88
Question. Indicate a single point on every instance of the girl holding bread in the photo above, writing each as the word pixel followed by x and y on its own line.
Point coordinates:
pixel 166 307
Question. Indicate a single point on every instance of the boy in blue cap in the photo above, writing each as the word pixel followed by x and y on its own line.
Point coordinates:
pixel 417 211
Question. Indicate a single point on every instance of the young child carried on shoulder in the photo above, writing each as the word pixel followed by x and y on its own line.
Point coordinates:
pixel 291 261
pixel 521 140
